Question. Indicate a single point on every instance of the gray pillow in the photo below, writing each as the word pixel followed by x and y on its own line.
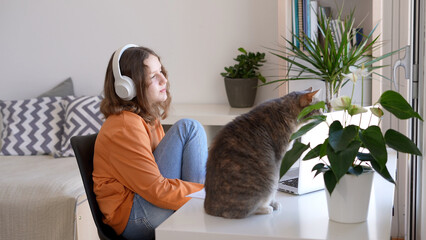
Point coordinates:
pixel 63 89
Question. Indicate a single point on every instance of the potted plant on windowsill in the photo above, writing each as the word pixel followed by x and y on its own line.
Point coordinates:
pixel 349 149
pixel 241 79
pixel 352 152
pixel 329 60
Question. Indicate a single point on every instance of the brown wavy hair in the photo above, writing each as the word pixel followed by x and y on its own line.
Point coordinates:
pixel 132 65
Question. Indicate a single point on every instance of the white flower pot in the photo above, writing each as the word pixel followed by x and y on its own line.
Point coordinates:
pixel 350 199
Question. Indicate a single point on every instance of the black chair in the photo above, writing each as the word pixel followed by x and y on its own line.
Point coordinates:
pixel 84 147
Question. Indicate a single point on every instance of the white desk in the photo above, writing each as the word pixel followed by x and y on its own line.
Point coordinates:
pixel 300 217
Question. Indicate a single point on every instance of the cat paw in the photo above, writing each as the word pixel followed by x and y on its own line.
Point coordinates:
pixel 264 210
pixel 276 205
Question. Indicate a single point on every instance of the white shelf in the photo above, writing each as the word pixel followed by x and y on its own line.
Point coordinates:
pixel 206 114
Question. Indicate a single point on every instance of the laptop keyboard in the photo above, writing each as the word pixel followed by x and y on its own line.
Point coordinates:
pixel 293 182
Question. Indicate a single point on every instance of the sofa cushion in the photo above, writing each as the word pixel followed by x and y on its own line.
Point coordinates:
pixel 82 117
pixel 63 89
pixel 31 126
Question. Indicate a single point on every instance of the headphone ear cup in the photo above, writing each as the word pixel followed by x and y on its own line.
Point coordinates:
pixel 124 85
pixel 125 88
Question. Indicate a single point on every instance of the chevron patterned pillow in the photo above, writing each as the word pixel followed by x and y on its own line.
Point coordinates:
pixel 82 117
pixel 32 126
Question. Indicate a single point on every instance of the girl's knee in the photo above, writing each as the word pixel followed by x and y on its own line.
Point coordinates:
pixel 190 124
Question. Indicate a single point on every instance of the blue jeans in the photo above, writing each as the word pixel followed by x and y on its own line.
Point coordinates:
pixel 182 154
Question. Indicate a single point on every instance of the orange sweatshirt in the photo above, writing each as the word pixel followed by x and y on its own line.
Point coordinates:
pixel 124 164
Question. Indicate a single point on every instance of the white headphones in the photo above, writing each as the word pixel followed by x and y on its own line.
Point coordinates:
pixel 124 85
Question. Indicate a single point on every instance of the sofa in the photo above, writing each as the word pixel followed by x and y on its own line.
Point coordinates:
pixel 41 191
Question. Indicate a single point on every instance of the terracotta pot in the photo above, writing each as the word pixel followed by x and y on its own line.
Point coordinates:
pixel 350 199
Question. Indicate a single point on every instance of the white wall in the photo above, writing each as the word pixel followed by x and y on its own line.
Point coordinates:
pixel 45 41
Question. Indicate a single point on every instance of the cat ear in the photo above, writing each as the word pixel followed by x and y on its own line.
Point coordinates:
pixel 306 98
pixel 309 89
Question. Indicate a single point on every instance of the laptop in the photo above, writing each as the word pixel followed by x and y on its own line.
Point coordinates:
pixel 300 179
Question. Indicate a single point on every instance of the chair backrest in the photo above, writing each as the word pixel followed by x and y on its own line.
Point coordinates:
pixel 84 147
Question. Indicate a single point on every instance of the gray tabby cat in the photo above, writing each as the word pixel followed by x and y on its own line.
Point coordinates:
pixel 245 157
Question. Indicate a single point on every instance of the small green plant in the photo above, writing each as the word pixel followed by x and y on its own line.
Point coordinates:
pixel 247 66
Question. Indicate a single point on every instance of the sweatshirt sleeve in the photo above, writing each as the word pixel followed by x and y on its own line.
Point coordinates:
pixel 131 155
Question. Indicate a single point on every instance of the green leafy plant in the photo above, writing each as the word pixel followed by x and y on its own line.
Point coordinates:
pixel 247 66
pixel 349 148
pixel 328 60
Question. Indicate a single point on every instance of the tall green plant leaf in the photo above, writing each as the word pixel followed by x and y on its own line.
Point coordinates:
pixel 364 156
pixel 335 126
pixel 323 148
pixel 330 181
pixel 310 108
pixel 316 117
pixel 369 63
pixel 320 168
pixel 342 160
pixel 383 171
pixel 313 153
pixel 400 142
pixel 357 170
pixel 292 156
pixel 397 105
pixel 374 141
pixel 340 139
pixel 306 128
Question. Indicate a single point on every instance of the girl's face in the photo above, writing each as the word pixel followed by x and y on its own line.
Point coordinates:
pixel 156 91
